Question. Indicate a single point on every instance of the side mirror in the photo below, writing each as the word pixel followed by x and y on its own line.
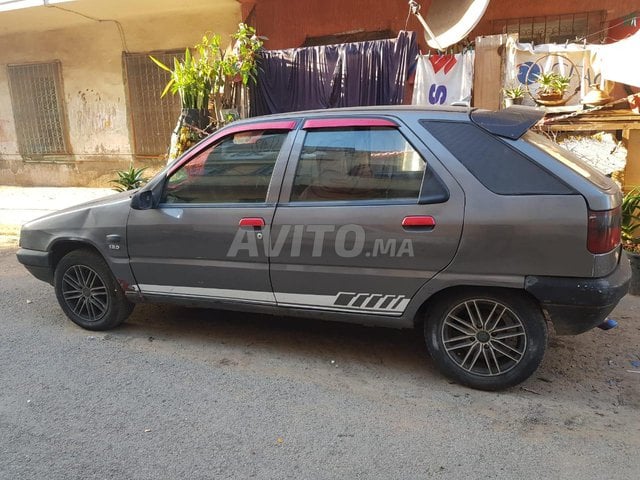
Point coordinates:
pixel 149 196
pixel 142 200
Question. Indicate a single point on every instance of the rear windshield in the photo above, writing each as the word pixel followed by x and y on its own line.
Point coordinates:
pixel 569 159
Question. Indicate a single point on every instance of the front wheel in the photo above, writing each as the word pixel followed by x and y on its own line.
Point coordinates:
pixel 486 340
pixel 88 293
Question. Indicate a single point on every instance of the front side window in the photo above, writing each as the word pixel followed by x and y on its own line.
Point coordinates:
pixel 357 164
pixel 237 169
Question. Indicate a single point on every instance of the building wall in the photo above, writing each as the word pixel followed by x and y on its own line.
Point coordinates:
pixel 500 9
pixel 288 23
pixel 94 89
pixel 90 53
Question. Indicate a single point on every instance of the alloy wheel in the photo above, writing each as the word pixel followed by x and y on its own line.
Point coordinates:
pixel 85 293
pixel 484 337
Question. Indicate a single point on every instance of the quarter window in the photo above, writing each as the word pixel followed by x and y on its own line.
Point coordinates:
pixel 235 170
pixel 357 164
pixel 496 165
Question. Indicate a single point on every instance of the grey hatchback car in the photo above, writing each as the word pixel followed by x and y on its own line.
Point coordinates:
pixel 464 223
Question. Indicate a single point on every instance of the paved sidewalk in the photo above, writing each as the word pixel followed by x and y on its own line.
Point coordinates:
pixel 19 205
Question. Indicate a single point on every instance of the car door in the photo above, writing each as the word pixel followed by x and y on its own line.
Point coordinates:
pixel 217 198
pixel 365 218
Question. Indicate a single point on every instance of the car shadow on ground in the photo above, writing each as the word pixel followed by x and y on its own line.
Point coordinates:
pixel 296 339
pixel 571 371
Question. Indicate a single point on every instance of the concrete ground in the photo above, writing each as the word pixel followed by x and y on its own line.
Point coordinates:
pixel 178 393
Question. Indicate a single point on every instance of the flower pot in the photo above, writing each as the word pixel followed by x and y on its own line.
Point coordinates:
pixel 195 117
pixel 191 117
pixel 550 97
pixel 634 285
pixel 509 101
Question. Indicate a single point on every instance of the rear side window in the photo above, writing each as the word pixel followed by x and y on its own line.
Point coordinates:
pixel 495 164
pixel 357 164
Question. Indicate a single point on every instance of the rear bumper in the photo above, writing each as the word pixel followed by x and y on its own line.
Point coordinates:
pixel 576 305
pixel 38 263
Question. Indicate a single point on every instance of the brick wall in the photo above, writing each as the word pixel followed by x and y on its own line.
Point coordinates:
pixel 287 23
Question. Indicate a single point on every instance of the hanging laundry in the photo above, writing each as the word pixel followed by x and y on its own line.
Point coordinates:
pixel 443 79
pixel 327 76
pixel 618 61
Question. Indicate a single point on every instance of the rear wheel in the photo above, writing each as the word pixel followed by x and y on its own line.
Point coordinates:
pixel 88 293
pixel 486 340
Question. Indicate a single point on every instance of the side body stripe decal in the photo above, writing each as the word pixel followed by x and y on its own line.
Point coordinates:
pixel 355 302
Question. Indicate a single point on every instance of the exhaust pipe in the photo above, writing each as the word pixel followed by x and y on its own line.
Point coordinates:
pixel 608 324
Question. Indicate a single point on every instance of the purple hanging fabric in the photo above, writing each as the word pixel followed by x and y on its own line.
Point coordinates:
pixel 344 75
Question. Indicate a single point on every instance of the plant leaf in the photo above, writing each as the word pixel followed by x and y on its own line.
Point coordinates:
pixel 166 89
pixel 159 63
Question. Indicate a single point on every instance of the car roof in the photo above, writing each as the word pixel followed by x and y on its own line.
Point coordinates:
pixel 371 110
pixel 510 123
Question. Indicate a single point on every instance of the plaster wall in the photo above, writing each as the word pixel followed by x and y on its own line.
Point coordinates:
pixel 96 115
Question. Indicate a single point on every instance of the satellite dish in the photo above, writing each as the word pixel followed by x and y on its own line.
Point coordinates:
pixel 449 21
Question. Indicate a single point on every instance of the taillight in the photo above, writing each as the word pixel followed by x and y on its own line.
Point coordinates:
pixel 603 234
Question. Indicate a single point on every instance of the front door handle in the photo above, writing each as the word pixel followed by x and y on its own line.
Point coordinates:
pixel 255 222
pixel 419 222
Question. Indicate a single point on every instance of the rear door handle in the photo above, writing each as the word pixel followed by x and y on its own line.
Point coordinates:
pixel 419 222
pixel 255 222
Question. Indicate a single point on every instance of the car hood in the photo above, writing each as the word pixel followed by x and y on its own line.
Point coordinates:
pixel 86 221
pixel 108 200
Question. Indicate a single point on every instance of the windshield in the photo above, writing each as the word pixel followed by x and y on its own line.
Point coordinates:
pixel 569 159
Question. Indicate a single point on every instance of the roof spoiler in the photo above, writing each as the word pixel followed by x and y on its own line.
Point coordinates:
pixel 512 122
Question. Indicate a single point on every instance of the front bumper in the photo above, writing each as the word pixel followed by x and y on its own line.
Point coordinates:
pixel 576 305
pixel 38 263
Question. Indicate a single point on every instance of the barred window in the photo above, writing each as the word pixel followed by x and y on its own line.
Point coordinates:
pixel 38 109
pixel 152 118
pixel 553 28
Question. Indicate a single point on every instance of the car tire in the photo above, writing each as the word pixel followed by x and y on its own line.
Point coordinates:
pixel 485 339
pixel 88 292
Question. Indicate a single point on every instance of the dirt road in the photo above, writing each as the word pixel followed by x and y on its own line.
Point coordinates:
pixel 190 393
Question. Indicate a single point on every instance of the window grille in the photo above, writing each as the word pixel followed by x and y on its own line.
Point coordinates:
pixel 152 118
pixel 553 28
pixel 38 108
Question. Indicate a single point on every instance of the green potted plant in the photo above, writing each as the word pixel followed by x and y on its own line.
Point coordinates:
pixel 513 95
pixel 129 179
pixel 630 241
pixel 551 88
pixel 209 75
pixel 237 67
pixel 191 79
